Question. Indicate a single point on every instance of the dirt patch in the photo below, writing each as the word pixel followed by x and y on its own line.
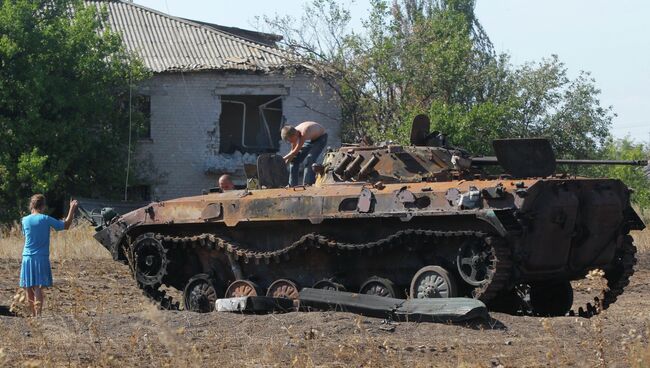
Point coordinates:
pixel 96 316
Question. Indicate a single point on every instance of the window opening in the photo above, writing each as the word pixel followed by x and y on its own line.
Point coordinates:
pixel 142 108
pixel 250 123
pixel 139 193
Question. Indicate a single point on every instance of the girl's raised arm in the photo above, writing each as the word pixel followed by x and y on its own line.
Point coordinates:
pixel 71 212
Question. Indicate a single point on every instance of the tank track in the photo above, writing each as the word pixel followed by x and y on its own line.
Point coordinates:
pixel 503 266
pixel 159 297
pixel 410 237
pixel 618 277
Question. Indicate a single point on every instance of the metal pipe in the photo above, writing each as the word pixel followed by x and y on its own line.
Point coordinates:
pixel 234 266
pixel 367 168
pixel 338 170
pixel 604 162
pixel 490 160
pixel 353 167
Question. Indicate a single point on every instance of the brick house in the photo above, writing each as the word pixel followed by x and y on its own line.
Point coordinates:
pixel 218 98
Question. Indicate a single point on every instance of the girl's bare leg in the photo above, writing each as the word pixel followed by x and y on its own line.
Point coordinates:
pixel 30 299
pixel 39 299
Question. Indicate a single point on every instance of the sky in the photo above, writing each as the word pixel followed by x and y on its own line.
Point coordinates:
pixel 609 39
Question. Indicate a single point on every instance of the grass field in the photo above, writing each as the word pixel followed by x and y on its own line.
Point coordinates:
pixel 95 316
pixel 76 243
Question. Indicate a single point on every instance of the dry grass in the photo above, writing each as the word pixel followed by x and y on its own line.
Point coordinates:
pixel 75 243
pixel 79 329
pixel 642 239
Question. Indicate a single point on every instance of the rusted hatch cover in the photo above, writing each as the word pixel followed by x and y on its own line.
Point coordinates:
pixel 420 130
pixel 211 211
pixel 525 157
pixel 272 171
pixel 365 201
pixel 405 196
pixel 452 196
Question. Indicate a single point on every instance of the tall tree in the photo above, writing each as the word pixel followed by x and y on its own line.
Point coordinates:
pixel 434 57
pixel 64 83
pixel 636 178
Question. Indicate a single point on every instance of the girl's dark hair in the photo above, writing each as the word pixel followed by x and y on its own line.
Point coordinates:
pixel 37 202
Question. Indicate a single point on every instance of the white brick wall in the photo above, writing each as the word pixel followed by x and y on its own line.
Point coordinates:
pixel 185 116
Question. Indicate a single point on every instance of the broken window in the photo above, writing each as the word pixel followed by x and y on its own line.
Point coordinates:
pixel 250 123
pixel 142 116
pixel 138 192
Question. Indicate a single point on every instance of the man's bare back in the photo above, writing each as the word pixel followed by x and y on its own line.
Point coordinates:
pixel 310 130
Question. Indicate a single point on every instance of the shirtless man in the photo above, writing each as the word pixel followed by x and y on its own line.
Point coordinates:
pixel 225 183
pixel 308 139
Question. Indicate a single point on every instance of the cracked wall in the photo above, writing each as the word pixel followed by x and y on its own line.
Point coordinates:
pixel 185 110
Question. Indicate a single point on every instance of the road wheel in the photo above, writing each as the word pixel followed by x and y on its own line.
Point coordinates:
pixel 283 288
pixel 433 282
pixel 240 288
pixel 329 284
pixel 378 286
pixel 200 294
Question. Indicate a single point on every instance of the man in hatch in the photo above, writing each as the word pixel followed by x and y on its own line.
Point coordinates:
pixel 308 139
pixel 225 183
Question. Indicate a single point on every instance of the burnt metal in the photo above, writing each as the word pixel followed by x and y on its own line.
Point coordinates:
pixel 200 294
pixel 415 207
pixel 318 169
pixel 379 286
pixel 368 167
pixel 496 192
pixel 353 168
pixel 283 288
pixel 420 130
pixel 489 160
pixel 430 310
pixel 365 201
pixel 150 260
pixel 529 157
pixel 476 262
pixel 211 211
pixel 340 167
pixel 241 288
pixel 272 171
pixel 405 196
pixel 328 284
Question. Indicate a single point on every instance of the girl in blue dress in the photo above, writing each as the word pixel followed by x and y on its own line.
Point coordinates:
pixel 35 272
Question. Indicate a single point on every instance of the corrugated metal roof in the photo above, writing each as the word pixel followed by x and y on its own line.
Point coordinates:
pixel 167 43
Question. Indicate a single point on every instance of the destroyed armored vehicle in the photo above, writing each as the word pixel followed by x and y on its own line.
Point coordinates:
pixel 419 221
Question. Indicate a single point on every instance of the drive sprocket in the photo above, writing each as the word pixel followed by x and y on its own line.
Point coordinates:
pixel 149 260
pixel 617 274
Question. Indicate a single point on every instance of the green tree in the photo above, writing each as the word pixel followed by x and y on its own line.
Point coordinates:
pixel 634 177
pixel 64 84
pixel 434 57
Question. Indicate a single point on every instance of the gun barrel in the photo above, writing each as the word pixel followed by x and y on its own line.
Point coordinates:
pixel 485 161
pixel 489 160
pixel 604 162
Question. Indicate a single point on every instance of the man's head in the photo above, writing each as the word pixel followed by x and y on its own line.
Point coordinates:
pixel 225 182
pixel 289 133
pixel 37 203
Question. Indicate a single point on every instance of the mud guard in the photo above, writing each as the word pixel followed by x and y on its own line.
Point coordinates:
pixel 633 219
pixel 491 218
pixel 421 310
pixel 112 236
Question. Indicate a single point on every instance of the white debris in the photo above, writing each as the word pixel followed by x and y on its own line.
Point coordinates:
pixel 231 163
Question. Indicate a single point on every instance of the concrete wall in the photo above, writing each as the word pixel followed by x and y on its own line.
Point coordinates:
pixel 182 157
